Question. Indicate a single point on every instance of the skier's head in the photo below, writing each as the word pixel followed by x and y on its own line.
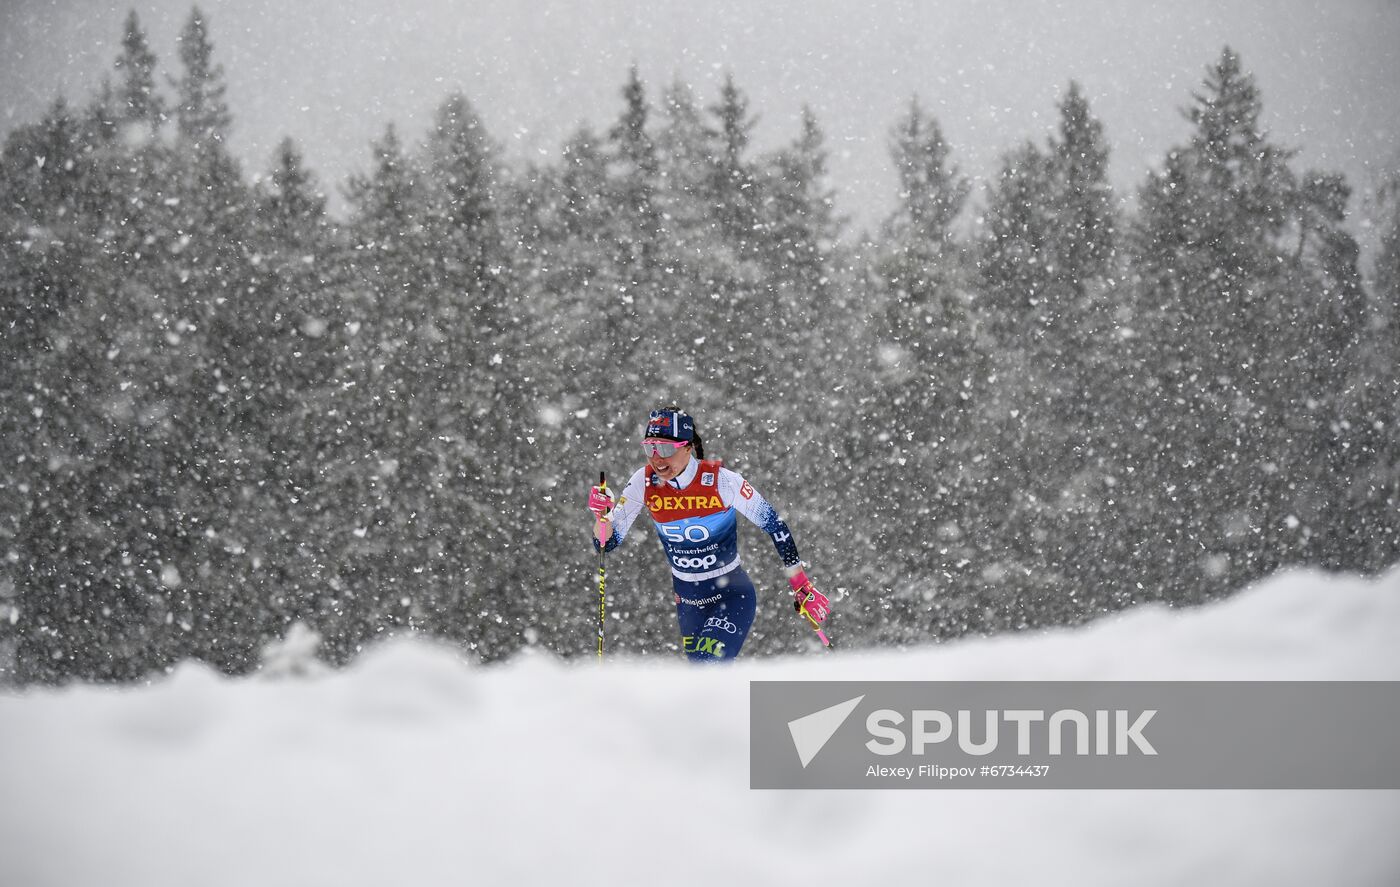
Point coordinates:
pixel 669 440
pixel 670 423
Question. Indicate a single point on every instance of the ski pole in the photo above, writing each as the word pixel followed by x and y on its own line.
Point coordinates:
pixel 602 578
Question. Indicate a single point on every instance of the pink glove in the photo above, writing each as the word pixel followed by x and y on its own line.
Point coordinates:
pixel 810 603
pixel 600 502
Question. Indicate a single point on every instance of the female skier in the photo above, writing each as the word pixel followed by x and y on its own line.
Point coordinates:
pixel 692 503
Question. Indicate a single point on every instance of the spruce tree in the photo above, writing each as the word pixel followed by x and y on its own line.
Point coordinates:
pixel 137 101
pixel 1242 335
pixel 801 226
pixel 296 412
pixel 686 152
pixel 464 387
pixel 635 171
pixel 46 400
pixel 208 371
pixel 1046 261
pixel 1086 201
pixel 932 192
pixel 732 188
pixel 930 372
pixel 1019 262
pixel 385 312
pixel 698 258
pixel 1366 528
pixel 635 312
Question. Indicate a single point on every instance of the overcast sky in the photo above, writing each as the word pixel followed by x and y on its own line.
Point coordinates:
pixel 332 75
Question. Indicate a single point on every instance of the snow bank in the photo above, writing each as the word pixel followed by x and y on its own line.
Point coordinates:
pixel 414 768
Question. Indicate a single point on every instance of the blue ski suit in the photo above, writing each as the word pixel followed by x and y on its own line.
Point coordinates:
pixel 694 516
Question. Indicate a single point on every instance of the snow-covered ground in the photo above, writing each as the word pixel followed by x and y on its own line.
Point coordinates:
pixel 414 768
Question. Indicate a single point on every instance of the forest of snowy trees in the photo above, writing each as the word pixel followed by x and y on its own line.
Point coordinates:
pixel 226 411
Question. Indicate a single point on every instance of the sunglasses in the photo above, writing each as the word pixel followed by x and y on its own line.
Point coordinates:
pixel 663 448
